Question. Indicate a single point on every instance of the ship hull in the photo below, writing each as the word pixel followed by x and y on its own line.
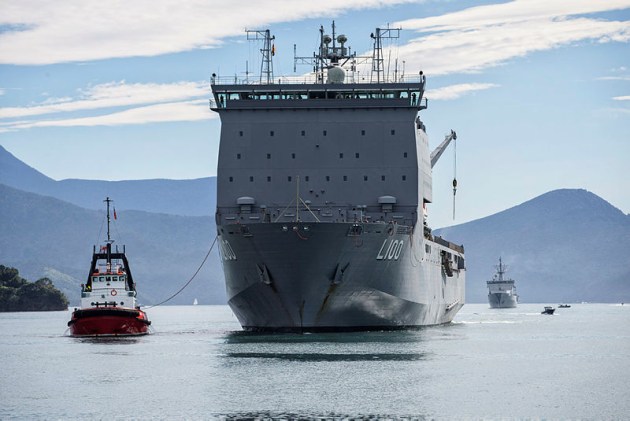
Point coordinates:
pixel 108 322
pixel 335 277
pixel 502 300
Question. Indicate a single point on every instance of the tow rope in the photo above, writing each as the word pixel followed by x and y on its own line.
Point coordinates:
pixel 189 281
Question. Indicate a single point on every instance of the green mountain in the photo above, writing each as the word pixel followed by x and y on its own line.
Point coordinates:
pixel 18 294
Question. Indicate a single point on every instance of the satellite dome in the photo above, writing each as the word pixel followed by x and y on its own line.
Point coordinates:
pixel 336 75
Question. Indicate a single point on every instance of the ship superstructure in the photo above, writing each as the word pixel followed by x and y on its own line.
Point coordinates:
pixel 322 190
pixel 501 290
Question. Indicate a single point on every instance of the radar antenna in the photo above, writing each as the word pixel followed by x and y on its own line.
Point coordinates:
pixel 268 51
pixel 329 55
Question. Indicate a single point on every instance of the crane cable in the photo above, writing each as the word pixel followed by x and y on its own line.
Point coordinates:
pixel 190 280
pixel 454 173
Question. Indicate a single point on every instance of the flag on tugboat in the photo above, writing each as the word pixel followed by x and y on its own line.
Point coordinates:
pixel 115 216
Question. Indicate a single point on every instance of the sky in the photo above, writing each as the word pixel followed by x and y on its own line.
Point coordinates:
pixel 537 91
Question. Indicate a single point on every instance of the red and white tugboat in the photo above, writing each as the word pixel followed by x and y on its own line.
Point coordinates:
pixel 108 299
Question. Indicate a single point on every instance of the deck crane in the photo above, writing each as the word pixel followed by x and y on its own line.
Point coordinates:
pixel 437 152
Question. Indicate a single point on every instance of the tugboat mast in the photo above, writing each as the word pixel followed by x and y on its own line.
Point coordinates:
pixel 108 200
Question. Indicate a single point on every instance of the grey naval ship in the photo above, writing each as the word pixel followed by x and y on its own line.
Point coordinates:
pixel 502 291
pixel 323 184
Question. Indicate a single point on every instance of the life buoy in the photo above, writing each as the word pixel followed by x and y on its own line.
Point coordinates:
pixel 114 292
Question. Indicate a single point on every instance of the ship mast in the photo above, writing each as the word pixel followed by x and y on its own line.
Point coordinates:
pixel 500 269
pixel 268 51
pixel 378 65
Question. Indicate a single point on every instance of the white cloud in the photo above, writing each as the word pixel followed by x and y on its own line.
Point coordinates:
pixel 113 94
pixel 46 32
pixel 194 110
pixel 485 36
pixel 622 98
pixel 456 91
pixel 614 78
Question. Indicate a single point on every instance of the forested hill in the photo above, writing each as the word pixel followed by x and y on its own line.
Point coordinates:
pixel 18 294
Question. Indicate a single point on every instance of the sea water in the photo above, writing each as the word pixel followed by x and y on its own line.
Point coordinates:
pixel 197 364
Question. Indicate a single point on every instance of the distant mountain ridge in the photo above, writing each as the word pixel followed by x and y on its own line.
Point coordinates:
pixel 176 197
pixel 565 245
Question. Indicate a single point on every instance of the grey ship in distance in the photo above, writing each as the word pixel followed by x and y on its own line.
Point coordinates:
pixel 502 291
pixel 323 185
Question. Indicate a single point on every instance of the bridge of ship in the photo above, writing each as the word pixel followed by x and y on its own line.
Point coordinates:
pixel 356 95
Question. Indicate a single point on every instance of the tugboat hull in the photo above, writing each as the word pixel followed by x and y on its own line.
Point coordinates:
pixel 109 322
